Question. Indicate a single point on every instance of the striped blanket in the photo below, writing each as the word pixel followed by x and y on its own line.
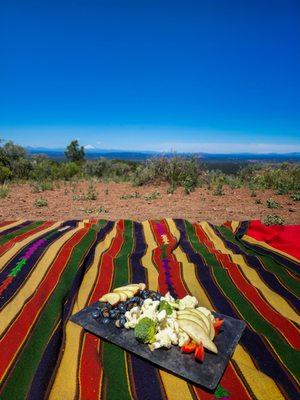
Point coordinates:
pixel 50 270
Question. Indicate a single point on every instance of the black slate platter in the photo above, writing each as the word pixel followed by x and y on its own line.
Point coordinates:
pixel 207 374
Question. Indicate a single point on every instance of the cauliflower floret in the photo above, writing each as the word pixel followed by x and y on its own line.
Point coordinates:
pixel 135 311
pixel 173 337
pixel 168 297
pixel 161 316
pixel 155 304
pixel 182 338
pixel 147 303
pixel 163 338
pixel 149 309
pixel 131 323
pixel 150 313
pixel 132 317
pixel 188 302
pixel 154 346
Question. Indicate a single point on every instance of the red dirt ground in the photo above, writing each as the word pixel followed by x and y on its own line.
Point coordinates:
pixel 235 204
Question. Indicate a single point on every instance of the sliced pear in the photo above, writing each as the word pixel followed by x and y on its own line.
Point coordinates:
pixel 197 334
pixel 193 317
pixel 111 298
pixel 206 320
pixel 142 286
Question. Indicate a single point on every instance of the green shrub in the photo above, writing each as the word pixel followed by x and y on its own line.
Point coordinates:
pixel 69 170
pixel 295 197
pixel 38 187
pixel 272 203
pixel 98 168
pixel 41 202
pixel 170 190
pixel 91 194
pixel 21 169
pixel 189 185
pixel 152 196
pixel 283 178
pixel 102 209
pixel 45 169
pixel 134 195
pixel 234 182
pixel 10 153
pixel 120 169
pixel 273 220
pixel 5 174
pixel 4 191
pixel 177 171
pixel 282 189
pixel 218 190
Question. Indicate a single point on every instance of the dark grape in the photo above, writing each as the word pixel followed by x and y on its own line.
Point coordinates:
pixel 114 313
pixel 105 320
pixel 144 294
pixel 156 296
pixel 122 321
pixel 122 308
pixel 96 314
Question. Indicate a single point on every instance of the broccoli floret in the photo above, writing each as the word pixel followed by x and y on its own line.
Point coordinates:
pixel 144 330
pixel 164 305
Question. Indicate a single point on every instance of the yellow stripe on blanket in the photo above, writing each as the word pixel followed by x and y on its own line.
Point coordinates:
pixel 66 388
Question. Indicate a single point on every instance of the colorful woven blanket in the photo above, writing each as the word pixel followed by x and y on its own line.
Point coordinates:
pixel 50 270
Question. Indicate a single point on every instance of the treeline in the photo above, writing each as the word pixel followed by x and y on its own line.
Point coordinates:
pixel 189 172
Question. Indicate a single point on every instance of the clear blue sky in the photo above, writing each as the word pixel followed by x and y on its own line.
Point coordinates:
pixel 211 75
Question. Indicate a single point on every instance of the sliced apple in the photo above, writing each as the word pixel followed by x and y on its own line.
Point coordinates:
pixel 133 288
pixel 123 296
pixel 111 298
pixel 193 317
pixel 127 292
pixel 142 286
pixel 197 334
pixel 206 320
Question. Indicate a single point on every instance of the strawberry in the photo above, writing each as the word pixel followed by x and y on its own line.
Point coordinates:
pixel 188 347
pixel 199 353
pixel 218 325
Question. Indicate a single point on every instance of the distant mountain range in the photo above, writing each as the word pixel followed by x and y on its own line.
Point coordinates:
pixel 58 154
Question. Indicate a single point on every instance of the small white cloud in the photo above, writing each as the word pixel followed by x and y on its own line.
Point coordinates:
pixel 89 147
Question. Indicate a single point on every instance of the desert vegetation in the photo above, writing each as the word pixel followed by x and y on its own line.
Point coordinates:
pixel 86 182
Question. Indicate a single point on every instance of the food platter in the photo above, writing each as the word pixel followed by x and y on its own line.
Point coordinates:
pixel 206 374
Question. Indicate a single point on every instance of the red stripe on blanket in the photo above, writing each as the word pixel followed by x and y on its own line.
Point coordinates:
pixel 16 333
pixel 91 370
pixel 282 237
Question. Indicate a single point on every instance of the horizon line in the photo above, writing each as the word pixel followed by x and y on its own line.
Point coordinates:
pixel 113 150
